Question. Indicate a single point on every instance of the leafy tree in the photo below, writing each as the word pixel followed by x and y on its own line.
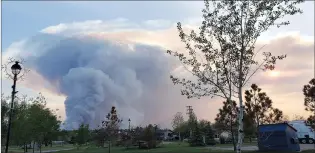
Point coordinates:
pixel 177 122
pixel 20 121
pixel 31 121
pixel 185 130
pixel 207 131
pixel 223 53
pixel 4 117
pixel 149 135
pixel 227 118
pixel 309 100
pixel 82 134
pixel 45 122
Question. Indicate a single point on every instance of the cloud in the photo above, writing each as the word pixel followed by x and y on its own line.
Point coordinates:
pixel 96 64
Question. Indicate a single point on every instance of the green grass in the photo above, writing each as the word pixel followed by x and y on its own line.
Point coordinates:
pixel 166 148
pixel 231 145
pixel 54 147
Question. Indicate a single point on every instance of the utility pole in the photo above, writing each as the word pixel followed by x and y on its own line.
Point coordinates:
pixel 190 113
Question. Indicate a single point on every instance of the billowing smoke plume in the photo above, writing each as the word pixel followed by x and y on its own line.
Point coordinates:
pixel 95 75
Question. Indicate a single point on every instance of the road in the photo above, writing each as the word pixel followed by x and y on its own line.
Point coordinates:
pixel 253 148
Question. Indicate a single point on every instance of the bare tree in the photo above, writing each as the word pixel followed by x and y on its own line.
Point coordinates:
pixel 177 123
pixel 222 56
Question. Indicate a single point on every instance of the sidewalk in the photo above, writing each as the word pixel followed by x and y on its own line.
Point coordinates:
pixel 48 151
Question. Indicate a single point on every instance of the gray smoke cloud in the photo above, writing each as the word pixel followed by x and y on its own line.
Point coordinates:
pixel 95 75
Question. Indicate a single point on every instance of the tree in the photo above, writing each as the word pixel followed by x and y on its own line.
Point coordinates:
pixel 196 138
pixel 177 122
pixel 31 120
pixel 82 134
pixel 227 118
pixel 109 128
pixel 207 131
pixel 309 100
pixel 259 109
pixel 43 120
pixel 149 135
pixel 21 126
pixel 4 117
pixel 223 52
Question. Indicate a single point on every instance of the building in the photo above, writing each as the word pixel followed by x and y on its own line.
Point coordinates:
pixel 278 137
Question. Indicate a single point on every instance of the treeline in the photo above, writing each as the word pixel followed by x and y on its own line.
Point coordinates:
pixel 197 133
pixel 258 110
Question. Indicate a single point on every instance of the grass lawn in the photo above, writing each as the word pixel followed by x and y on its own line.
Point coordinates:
pixel 54 147
pixel 167 148
pixel 231 145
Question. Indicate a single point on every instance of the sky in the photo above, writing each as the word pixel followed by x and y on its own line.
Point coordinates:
pixel 29 27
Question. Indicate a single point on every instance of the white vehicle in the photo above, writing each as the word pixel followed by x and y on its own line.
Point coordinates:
pixel 304 132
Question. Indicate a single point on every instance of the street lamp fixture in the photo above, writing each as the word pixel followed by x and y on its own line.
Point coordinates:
pixel 15 69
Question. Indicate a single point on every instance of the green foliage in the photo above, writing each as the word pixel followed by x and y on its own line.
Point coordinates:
pixel 309 100
pixel 259 109
pixel 149 136
pixel 31 121
pixel 227 116
pixel 207 131
pixel 83 134
pixel 197 137
pixel 309 96
pixel 226 119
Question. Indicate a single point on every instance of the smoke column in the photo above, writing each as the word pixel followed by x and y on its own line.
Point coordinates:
pixel 95 75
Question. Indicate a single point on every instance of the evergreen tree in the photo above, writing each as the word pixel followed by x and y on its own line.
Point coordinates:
pixel 309 101
pixel 196 138
pixel 209 134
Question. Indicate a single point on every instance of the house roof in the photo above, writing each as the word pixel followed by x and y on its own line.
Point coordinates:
pixel 275 127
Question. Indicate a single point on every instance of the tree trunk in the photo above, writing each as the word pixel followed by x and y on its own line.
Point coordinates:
pixel 257 130
pixel 33 146
pixel 25 148
pixel 108 146
pixel 240 122
pixel 240 94
pixel 40 147
pixel 233 140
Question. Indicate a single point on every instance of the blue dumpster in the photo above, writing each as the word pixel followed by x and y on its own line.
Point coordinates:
pixel 278 137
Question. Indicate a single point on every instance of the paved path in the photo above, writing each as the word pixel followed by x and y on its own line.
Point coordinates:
pixel 249 148
pixel 48 151
pixel 253 148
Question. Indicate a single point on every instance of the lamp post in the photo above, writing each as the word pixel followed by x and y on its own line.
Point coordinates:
pixel 16 69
